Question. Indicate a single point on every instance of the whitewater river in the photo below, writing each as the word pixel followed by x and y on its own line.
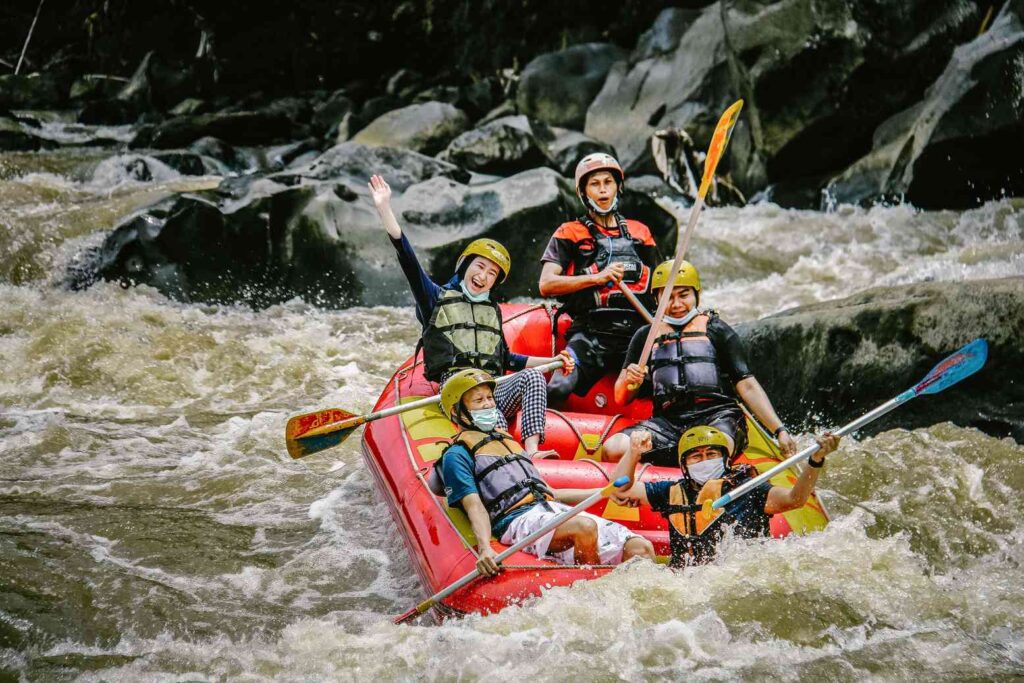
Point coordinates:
pixel 153 527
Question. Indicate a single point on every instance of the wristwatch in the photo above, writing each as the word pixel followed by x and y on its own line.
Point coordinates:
pixel 819 463
pixel 781 428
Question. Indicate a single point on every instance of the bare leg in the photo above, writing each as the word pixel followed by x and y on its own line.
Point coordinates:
pixel 638 546
pixel 579 533
pixel 615 447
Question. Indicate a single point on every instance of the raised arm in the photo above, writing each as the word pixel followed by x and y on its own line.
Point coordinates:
pixel 380 191
pixel 781 499
pixel 633 493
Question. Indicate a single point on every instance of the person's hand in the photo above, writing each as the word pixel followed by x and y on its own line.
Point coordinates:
pixel 543 455
pixel 570 361
pixel 624 498
pixel 786 444
pixel 487 562
pixel 828 442
pixel 640 442
pixel 380 191
pixel 635 375
pixel 613 272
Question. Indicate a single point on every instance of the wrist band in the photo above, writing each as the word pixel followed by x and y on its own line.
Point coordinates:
pixel 818 464
pixel 782 428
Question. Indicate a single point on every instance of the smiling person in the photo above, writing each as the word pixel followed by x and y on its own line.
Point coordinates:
pixel 698 370
pixel 462 326
pixel 582 265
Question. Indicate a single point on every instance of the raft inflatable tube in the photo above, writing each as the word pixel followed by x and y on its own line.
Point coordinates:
pixel 400 451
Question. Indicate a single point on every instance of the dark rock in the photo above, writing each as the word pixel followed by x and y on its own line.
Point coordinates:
pixel 283 155
pixel 237 128
pixel 15 138
pixel 32 91
pixel 963 144
pixel 833 361
pixel 328 114
pixel 186 163
pixel 404 83
pixel 567 147
pixel 358 162
pixel 374 108
pixel 501 147
pixel 219 150
pixel 506 108
pixel 90 87
pixel 424 128
pixel 557 87
pixel 108 113
pixel 156 85
pixel 190 105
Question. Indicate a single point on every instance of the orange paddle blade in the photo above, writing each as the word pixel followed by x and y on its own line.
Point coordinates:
pixel 313 432
pixel 723 131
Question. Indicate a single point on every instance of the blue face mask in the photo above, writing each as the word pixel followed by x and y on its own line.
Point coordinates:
pixel 475 298
pixel 486 418
pixel 679 322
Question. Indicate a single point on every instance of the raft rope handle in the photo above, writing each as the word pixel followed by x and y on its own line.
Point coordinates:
pixel 579 435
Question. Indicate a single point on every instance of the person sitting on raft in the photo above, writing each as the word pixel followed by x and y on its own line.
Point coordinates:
pixel 698 367
pixel 462 327
pixel 484 472
pixel 694 528
pixel 583 263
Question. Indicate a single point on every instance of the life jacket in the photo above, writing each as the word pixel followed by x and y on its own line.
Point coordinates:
pixel 684 368
pixel 695 528
pixel 505 477
pixel 605 309
pixel 463 334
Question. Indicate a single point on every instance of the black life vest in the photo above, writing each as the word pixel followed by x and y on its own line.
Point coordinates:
pixel 695 529
pixel 505 477
pixel 604 310
pixel 684 368
pixel 463 334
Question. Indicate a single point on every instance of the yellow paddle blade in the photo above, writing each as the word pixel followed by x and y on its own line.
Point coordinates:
pixel 314 432
pixel 723 131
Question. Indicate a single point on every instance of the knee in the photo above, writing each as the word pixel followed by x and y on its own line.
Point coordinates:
pixel 561 386
pixel 615 447
pixel 638 547
pixel 583 530
pixel 533 379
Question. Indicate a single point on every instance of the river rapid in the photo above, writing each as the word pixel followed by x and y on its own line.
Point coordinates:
pixel 154 528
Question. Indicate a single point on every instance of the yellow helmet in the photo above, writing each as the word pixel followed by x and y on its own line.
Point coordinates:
pixel 492 250
pixel 700 436
pixel 686 277
pixel 458 384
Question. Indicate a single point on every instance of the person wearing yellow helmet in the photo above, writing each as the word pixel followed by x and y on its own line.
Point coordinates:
pixel 462 326
pixel 694 528
pixel 697 373
pixel 582 266
pixel 486 473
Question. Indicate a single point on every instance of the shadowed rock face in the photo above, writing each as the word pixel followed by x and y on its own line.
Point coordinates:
pixel 831 362
pixel 556 88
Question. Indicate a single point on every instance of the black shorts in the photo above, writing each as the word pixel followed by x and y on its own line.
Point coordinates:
pixel 665 432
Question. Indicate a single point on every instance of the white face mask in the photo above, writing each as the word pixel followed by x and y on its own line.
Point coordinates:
pixel 486 418
pixel 706 470
pixel 475 298
pixel 679 322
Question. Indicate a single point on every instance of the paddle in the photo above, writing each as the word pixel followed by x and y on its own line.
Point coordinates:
pixel 631 298
pixel 956 367
pixel 313 432
pixel 719 140
pixel 512 550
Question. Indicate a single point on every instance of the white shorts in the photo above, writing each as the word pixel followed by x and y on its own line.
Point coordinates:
pixel 611 536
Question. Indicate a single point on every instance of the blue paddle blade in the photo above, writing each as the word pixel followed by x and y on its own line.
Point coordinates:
pixel 958 366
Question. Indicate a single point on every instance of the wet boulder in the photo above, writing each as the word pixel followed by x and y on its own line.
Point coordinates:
pixel 830 362
pixel 401 168
pixel 566 147
pixel 236 128
pixel 14 137
pixel 424 128
pixel 504 146
pixel 328 114
pixel 963 143
pixel 557 87
pixel 32 91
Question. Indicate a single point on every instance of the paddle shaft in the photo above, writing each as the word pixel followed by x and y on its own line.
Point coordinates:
pixel 512 550
pixel 806 453
pixel 631 298
pixel 395 410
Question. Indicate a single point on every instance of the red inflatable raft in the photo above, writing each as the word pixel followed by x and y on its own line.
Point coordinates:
pixel 400 450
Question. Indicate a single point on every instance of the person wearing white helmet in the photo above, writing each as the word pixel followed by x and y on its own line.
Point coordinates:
pixel 582 265
pixel 462 326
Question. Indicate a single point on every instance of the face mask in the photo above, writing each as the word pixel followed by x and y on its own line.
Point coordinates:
pixel 679 322
pixel 475 298
pixel 486 419
pixel 706 470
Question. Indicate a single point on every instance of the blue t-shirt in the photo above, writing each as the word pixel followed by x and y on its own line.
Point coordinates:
pixel 459 482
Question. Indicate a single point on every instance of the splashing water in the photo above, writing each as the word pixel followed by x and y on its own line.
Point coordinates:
pixel 154 528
